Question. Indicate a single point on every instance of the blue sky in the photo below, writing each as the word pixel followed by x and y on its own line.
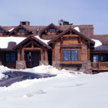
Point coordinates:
pixel 44 12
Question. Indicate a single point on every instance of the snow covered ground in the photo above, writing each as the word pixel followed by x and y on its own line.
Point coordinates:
pixel 66 90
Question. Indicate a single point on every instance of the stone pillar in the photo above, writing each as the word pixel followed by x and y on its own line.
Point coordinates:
pixel 86 67
pixel 0 62
pixel 20 64
pixel 56 64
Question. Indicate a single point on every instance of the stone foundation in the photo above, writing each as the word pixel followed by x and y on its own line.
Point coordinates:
pixel 20 64
pixel 86 67
pixel 56 64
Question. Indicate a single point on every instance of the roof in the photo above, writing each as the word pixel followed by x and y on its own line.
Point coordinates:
pixel 10 42
pixel 102 48
pixel 102 37
pixel 34 38
pixel 84 29
pixel 71 29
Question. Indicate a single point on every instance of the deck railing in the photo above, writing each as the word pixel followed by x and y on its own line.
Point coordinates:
pixel 99 65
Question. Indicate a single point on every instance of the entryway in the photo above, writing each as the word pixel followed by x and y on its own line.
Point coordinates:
pixel 32 58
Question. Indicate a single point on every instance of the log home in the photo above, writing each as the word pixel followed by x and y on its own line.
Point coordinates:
pixel 74 47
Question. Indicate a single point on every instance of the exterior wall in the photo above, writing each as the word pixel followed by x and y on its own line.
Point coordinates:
pixel 71 43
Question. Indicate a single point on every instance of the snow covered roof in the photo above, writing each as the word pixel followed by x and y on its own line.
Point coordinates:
pixel 77 29
pixel 9 42
pixel 43 40
pixel 97 43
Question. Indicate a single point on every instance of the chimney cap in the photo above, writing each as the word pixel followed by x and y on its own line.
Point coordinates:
pixel 25 23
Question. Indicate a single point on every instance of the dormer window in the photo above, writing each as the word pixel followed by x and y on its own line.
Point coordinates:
pixel 52 30
pixel 21 31
pixel 1 31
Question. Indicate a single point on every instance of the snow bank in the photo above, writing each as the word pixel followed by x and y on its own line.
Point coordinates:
pixel 43 40
pixel 97 42
pixel 45 69
pixel 4 41
pixel 3 69
pixel 77 29
pixel 48 69
pixel 82 91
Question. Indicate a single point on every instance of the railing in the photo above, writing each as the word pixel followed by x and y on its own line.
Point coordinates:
pixel 99 65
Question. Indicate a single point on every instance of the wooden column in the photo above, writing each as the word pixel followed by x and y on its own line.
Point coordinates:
pixel 23 54
pixel 18 55
pixel 46 56
pixel 42 56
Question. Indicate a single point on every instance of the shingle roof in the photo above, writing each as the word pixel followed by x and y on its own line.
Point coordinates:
pixel 102 48
pixel 84 29
pixel 102 37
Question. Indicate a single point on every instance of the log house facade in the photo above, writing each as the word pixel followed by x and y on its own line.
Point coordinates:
pixel 62 46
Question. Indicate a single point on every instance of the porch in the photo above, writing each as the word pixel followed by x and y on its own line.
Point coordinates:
pixel 99 66
pixel 99 60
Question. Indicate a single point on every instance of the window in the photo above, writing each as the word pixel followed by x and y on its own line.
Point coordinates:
pixel 52 30
pixel 1 31
pixel 13 57
pixel 70 55
pixel 10 57
pixel 104 58
pixel 7 57
pixel 95 58
pixel 21 31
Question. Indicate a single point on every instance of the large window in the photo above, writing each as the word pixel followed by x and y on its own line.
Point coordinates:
pixel 21 31
pixel 52 30
pixel 10 57
pixel 70 55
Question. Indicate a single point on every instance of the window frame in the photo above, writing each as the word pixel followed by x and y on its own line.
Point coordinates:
pixel 70 49
pixel 52 30
pixel 9 57
pixel 20 31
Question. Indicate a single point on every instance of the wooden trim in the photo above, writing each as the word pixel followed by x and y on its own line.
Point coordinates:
pixel 32 49
pixel 71 46
pixel 70 62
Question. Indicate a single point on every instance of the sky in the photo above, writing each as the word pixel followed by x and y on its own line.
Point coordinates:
pixel 44 12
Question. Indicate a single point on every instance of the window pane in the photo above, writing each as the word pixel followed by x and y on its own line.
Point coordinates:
pixel 95 58
pixel 13 57
pixel 7 57
pixel 67 55
pixel 21 30
pixel 74 55
pixel 52 30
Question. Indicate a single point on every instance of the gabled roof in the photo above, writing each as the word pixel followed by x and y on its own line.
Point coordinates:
pixel 49 26
pixel 33 38
pixel 73 30
pixel 18 27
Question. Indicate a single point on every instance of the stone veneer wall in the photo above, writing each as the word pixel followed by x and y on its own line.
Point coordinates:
pixel 20 64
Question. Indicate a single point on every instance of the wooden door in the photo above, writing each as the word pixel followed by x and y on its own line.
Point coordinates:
pixel 32 58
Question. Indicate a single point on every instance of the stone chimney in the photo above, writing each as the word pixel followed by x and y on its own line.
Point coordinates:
pixel 25 23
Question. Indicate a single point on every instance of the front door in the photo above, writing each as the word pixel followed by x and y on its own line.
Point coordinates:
pixel 32 58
